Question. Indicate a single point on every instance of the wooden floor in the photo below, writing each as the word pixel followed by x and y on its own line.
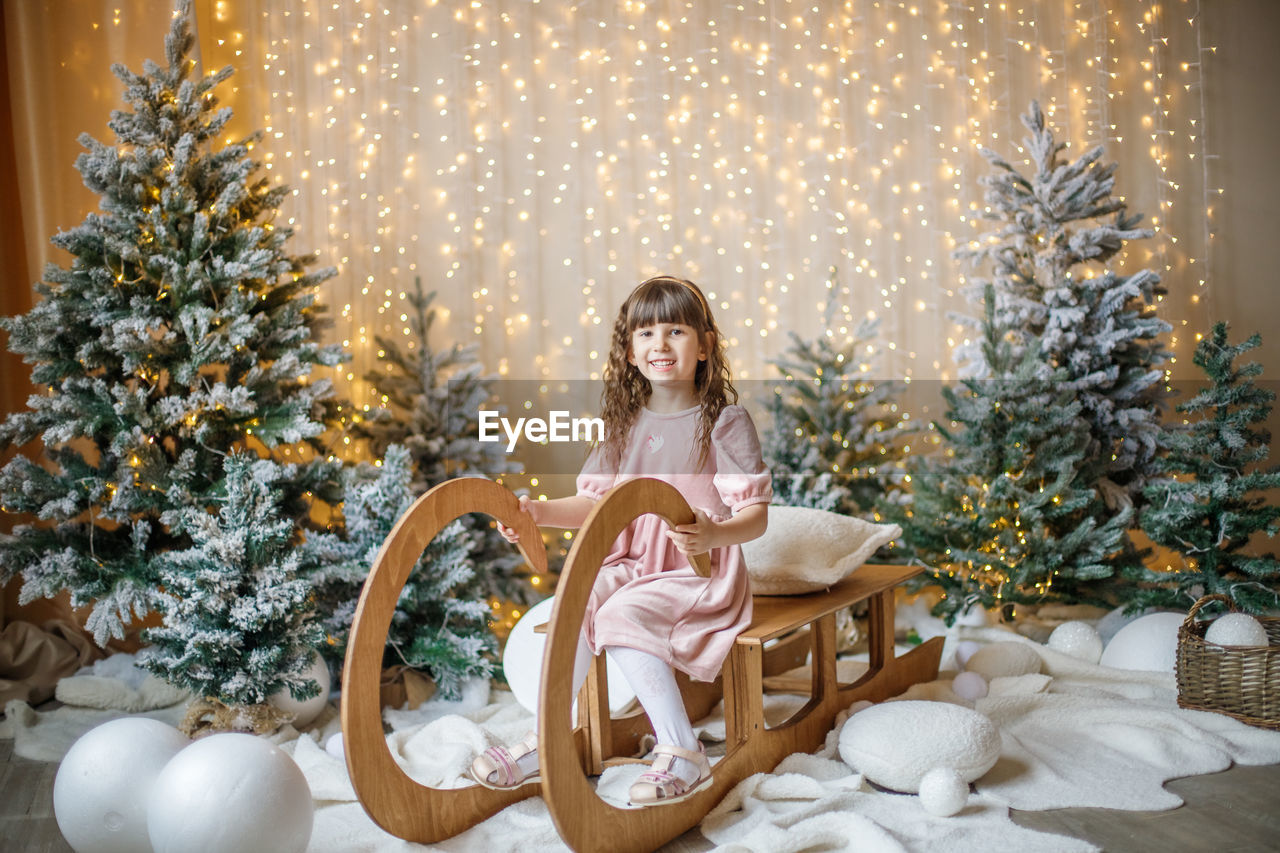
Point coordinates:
pixel 1230 812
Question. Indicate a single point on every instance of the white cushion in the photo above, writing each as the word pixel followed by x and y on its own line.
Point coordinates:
pixel 1003 660
pixel 895 744
pixel 805 549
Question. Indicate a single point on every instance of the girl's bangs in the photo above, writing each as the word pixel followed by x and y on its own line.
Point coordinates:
pixel 665 302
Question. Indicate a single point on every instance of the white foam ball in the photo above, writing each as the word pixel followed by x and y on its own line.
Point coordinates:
pixel 230 793
pixel 894 744
pixel 304 711
pixel 522 662
pixel 943 791
pixel 1078 639
pixel 101 789
pixel 1149 643
pixel 965 649
pixel 1005 659
pixel 1236 629
pixel 969 685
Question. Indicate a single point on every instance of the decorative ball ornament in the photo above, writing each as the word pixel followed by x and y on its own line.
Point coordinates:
pixel 969 685
pixel 1236 629
pixel 1148 644
pixel 1004 659
pixel 335 747
pixel 1078 639
pixel 100 792
pixel 943 791
pixel 230 793
pixel 305 711
pixel 522 662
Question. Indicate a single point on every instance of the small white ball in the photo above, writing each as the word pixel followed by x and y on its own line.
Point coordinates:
pixel 1149 644
pixel 230 793
pixel 304 711
pixel 1078 639
pixel 943 791
pixel 100 792
pixel 964 650
pixel 1236 629
pixel 969 685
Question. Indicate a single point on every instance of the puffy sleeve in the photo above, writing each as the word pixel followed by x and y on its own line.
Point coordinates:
pixel 741 477
pixel 596 477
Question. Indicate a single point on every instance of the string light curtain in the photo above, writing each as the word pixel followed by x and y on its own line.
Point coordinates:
pixel 532 161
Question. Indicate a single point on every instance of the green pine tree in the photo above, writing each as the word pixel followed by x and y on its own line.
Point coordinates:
pixel 999 517
pixel 431 404
pixel 1213 500
pixel 837 440
pixel 440 624
pixel 240 623
pixel 182 329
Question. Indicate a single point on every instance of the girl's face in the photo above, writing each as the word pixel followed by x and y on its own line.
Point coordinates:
pixel 666 353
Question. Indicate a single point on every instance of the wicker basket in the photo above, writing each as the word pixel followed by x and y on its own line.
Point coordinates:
pixel 1239 681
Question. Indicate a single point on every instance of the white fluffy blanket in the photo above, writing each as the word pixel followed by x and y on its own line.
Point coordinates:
pixel 1076 735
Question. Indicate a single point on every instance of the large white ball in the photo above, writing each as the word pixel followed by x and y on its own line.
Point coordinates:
pixel 894 744
pixel 943 791
pixel 304 711
pixel 1004 659
pixel 522 662
pixel 1236 629
pixel 1149 643
pixel 100 792
pixel 1078 639
pixel 230 793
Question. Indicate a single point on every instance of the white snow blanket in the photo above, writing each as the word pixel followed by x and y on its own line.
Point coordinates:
pixel 1075 735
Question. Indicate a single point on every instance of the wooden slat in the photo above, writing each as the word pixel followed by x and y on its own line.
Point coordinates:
pixel 775 615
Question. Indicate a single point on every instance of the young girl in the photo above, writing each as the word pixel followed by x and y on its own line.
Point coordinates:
pixel 670 412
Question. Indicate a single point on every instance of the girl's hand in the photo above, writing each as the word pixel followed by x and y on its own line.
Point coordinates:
pixel 695 538
pixel 509 533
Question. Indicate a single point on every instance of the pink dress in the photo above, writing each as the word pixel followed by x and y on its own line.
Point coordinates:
pixel 647 596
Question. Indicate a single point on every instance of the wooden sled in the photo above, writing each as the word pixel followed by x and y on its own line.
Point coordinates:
pixel 569 754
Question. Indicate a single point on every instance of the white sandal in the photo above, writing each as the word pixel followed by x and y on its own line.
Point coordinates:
pixel 658 786
pixel 500 762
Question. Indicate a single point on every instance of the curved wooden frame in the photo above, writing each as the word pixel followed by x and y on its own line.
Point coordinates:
pixel 393 800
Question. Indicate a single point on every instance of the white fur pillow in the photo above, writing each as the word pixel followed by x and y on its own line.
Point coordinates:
pixel 806 549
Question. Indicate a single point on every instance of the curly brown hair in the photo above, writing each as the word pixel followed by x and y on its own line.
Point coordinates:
pixel 662 299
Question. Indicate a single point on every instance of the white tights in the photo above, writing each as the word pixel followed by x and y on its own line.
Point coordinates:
pixel 655 685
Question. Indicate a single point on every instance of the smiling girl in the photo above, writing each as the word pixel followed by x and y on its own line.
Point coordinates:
pixel 671 413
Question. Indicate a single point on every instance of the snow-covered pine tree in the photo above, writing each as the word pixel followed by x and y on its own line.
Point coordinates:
pixel 837 439
pixel 182 329
pixel 240 625
pixel 998 517
pixel 441 619
pixel 1213 498
pixel 1055 288
pixel 431 400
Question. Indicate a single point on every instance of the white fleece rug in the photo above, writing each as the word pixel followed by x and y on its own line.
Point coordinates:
pixel 1076 735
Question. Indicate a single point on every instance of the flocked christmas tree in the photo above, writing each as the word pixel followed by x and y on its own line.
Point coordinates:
pixel 183 329
pixel 1213 500
pixel 836 439
pixel 440 624
pixel 1052 298
pixel 431 400
pixel 998 516
pixel 240 624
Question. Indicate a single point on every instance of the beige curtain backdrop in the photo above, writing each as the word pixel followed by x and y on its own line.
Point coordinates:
pixel 532 161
